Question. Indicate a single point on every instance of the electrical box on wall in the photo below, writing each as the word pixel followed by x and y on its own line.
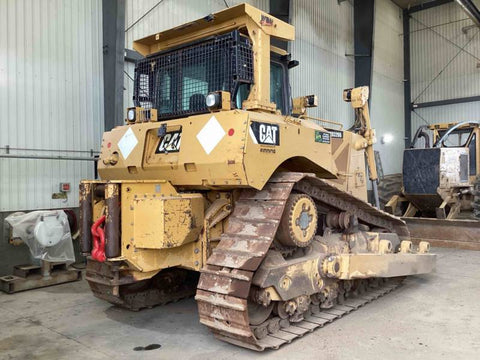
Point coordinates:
pixel 65 187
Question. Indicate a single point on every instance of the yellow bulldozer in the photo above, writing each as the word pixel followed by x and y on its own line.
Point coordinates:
pixel 221 185
pixel 439 197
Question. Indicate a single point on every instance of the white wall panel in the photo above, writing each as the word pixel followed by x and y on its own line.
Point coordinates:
pixel 51 96
pixel 386 102
pixel 324 34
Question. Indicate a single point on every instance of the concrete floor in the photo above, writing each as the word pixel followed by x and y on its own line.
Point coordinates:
pixel 435 316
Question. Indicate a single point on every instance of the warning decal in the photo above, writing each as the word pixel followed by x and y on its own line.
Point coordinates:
pixel 322 137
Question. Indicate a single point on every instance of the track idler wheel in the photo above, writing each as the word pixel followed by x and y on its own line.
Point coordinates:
pixel 257 313
pixel 299 221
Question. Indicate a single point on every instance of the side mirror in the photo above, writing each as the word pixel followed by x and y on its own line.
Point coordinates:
pixel 293 63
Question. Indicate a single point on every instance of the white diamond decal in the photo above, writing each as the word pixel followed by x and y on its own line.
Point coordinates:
pixel 210 135
pixel 127 143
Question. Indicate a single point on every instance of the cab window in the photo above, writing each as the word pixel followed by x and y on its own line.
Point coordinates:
pixel 457 138
pixel 472 150
pixel 277 88
pixel 277 85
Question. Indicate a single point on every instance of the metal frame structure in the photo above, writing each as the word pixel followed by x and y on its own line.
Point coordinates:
pixel 281 10
pixel 363 23
pixel 113 17
pixel 471 10
pixel 410 105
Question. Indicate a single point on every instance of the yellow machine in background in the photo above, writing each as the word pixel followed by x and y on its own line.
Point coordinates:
pixel 439 180
pixel 440 194
pixel 213 174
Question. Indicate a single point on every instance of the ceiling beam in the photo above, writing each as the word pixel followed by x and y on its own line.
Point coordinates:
pixel 472 11
pixel 428 5
pixel 446 102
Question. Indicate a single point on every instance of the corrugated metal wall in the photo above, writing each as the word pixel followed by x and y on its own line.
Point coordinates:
pixel 387 111
pixel 51 78
pixel 324 34
pixel 51 86
pixel 440 69
pixel 167 14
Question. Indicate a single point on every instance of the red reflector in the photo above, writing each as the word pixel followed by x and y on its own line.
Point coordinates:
pixel 231 132
pixel 109 145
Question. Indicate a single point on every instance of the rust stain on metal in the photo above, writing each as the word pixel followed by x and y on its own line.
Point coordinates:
pixel 86 217
pixel 112 220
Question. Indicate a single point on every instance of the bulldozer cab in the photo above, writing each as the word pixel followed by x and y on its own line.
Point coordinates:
pixel 466 137
pixel 280 93
pixel 452 135
pixel 177 82
pixel 215 55
pixel 439 172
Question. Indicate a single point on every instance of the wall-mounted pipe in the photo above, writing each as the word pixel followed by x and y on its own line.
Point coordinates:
pixel 86 215
pixel 8 148
pixel 48 157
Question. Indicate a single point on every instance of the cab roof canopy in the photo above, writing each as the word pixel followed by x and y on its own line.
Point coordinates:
pixel 236 17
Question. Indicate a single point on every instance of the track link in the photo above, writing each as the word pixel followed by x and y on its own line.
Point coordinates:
pixel 315 319
pixel 224 285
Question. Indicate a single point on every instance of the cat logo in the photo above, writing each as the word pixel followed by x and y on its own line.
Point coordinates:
pixel 170 142
pixel 265 133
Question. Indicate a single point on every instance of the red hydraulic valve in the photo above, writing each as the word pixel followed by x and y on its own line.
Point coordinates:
pixel 98 251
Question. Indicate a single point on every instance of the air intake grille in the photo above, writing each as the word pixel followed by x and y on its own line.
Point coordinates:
pixel 176 82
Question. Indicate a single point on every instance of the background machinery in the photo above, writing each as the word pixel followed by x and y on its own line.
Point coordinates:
pixel 440 198
pixel 219 178
pixel 48 235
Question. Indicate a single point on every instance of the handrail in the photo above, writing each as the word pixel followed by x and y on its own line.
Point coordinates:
pixel 340 126
pixel 439 142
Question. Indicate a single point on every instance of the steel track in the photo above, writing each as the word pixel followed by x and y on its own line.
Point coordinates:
pixel 318 318
pixel 224 285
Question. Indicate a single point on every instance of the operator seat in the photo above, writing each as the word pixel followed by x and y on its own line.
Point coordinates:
pixel 197 102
